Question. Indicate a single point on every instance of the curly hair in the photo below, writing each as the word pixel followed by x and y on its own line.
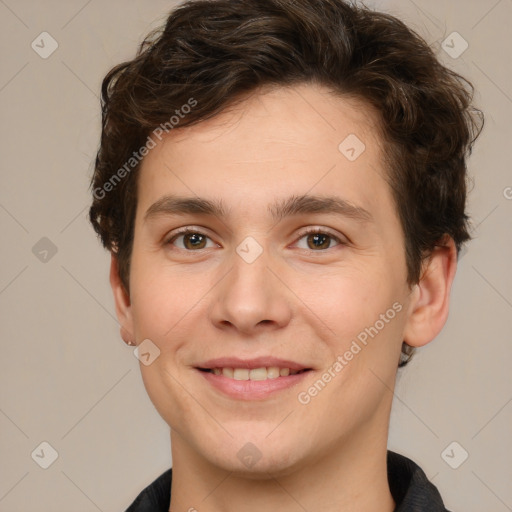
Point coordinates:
pixel 211 52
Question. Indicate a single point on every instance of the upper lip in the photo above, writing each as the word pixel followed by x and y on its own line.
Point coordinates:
pixel 258 362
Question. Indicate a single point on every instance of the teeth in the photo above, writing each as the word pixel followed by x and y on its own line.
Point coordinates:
pixel 241 374
pixel 258 374
pixel 272 372
pixel 227 372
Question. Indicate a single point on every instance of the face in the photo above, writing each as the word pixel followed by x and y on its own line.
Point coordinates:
pixel 293 261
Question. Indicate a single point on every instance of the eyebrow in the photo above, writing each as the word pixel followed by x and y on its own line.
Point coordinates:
pixel 294 205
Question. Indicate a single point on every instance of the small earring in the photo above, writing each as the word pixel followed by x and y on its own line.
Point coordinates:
pixel 131 343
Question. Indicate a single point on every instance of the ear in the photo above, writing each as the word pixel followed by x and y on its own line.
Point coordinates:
pixel 122 302
pixel 430 298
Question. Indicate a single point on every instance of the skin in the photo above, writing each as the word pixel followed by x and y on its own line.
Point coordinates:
pixel 295 301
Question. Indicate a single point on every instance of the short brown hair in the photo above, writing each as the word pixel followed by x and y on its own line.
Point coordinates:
pixel 214 51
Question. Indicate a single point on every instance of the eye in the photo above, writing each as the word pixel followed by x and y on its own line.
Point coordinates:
pixel 318 240
pixel 190 240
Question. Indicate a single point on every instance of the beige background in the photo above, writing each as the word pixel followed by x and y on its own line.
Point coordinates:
pixel 66 377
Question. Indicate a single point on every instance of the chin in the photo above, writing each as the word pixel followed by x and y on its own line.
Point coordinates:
pixel 262 470
pixel 257 459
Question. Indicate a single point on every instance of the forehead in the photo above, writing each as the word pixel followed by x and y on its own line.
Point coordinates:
pixel 276 140
pixel 261 124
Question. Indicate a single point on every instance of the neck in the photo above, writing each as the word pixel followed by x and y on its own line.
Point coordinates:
pixel 349 476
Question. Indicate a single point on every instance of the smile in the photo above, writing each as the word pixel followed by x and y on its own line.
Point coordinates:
pixel 255 379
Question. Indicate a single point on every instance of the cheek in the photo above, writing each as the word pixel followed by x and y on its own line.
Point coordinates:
pixel 165 392
pixel 161 298
pixel 349 300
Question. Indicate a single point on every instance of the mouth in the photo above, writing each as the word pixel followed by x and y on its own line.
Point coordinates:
pixel 255 379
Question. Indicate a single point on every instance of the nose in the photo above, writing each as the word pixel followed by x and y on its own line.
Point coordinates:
pixel 251 298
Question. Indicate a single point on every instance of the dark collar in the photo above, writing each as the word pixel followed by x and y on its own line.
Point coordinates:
pixel 408 484
pixel 410 487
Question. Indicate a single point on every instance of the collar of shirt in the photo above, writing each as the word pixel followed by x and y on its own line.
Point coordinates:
pixel 408 484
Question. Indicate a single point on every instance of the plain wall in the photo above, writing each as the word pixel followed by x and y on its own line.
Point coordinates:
pixel 65 375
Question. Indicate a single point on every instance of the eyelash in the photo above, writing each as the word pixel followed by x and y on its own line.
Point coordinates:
pixel 309 231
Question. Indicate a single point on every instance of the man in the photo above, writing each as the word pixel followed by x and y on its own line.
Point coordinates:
pixel 282 187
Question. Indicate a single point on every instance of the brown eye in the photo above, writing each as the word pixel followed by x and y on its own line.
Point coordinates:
pixel 194 241
pixel 189 240
pixel 317 240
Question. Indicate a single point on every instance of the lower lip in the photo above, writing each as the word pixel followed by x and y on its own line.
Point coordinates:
pixel 252 389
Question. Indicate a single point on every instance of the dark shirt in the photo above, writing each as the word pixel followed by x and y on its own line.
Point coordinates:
pixel 408 484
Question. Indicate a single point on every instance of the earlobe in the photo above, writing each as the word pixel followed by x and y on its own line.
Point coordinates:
pixel 430 299
pixel 122 303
